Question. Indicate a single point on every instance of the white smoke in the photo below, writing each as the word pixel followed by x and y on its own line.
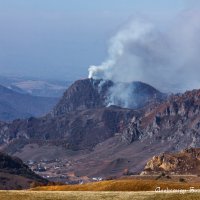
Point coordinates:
pixel 119 51
pixel 167 58
pixel 121 94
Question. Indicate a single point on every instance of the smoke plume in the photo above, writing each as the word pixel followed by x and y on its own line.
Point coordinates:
pixel 166 57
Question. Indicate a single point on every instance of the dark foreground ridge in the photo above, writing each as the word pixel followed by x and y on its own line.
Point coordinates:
pixel 14 174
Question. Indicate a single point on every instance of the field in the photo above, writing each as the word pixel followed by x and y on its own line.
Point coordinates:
pixel 45 195
pixel 123 185
pixel 121 189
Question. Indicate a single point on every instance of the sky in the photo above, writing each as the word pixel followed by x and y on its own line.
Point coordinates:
pixel 59 39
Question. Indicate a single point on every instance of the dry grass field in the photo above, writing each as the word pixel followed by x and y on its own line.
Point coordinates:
pixel 56 195
pixel 121 189
pixel 122 185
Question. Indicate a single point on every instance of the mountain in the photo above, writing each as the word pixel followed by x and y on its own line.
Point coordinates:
pixel 81 127
pixel 185 162
pixel 14 105
pixel 91 93
pixel 82 95
pixel 14 174
pixel 81 119
pixel 40 88
pixel 84 136
pixel 35 87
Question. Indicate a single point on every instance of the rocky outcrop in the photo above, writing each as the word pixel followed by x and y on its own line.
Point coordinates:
pixel 132 131
pixel 184 162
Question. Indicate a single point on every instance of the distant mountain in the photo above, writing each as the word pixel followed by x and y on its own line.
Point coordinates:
pixel 40 88
pixel 35 87
pixel 14 174
pixel 14 105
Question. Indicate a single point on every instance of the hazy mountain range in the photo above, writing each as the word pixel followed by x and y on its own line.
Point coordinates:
pixel 25 97
pixel 35 87
pixel 14 105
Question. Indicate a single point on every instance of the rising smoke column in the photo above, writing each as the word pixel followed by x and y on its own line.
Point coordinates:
pixel 118 52
pixel 166 58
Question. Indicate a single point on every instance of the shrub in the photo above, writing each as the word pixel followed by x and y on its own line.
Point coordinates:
pixel 182 180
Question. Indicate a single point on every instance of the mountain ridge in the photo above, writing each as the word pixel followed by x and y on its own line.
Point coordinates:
pixel 95 93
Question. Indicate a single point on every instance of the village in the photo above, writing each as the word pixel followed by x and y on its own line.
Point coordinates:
pixel 61 171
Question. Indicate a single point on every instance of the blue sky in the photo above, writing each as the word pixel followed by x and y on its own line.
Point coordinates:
pixel 89 5
pixel 59 39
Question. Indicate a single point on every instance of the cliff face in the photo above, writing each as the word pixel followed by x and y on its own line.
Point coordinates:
pixel 176 121
pixel 184 162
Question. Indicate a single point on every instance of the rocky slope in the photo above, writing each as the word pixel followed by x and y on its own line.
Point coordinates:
pixel 14 174
pixel 184 162
pixel 175 121
pixel 77 130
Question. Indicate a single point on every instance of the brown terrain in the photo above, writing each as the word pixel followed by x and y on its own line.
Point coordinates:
pixel 83 140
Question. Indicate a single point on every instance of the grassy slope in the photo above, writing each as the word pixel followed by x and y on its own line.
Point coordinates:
pixel 121 185
pixel 28 195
